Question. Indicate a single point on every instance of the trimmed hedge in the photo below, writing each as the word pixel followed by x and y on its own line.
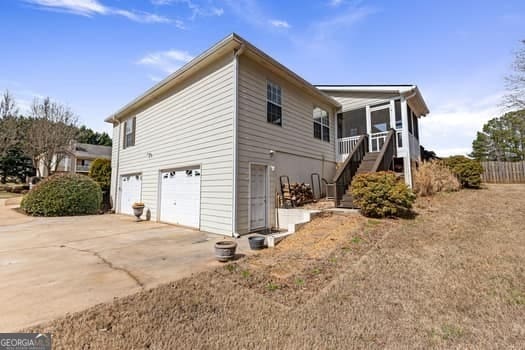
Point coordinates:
pixel 382 194
pixel 468 171
pixel 63 195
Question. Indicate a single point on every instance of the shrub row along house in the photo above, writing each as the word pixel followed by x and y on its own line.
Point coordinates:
pixel 206 146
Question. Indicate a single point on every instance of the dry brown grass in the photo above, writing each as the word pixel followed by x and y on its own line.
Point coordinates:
pixel 452 278
pixel 433 177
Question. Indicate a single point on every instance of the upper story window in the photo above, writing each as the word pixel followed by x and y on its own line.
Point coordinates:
pixel 274 110
pixel 321 124
pixel 129 132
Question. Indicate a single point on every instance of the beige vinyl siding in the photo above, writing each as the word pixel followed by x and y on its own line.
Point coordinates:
pixel 293 143
pixel 355 100
pixel 193 125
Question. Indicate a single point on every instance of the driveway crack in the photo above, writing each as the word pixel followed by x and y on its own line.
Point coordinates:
pixel 109 264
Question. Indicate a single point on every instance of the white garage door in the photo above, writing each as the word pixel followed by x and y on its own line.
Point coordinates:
pixel 181 197
pixel 130 192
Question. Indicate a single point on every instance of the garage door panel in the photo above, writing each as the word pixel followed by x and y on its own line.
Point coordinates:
pixel 130 192
pixel 180 197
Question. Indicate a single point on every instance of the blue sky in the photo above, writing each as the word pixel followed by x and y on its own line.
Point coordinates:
pixel 97 55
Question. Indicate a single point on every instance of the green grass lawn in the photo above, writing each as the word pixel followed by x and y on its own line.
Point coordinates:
pixel 5 195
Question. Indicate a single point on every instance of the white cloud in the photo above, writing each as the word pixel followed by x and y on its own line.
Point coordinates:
pixel 155 78
pixel 197 10
pixel 142 17
pixel 279 23
pixel 325 29
pixel 249 11
pixel 79 7
pixel 451 127
pixel 166 61
pixel 94 7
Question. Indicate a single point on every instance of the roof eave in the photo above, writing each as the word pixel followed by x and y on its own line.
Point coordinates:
pixel 312 88
pixel 397 89
pixel 172 79
pixel 233 40
pixel 415 93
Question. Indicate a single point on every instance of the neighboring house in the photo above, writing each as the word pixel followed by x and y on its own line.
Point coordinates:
pixel 206 146
pixel 77 158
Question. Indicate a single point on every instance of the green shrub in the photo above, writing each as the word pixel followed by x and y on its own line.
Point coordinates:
pixel 468 171
pixel 63 195
pixel 100 171
pixel 433 177
pixel 382 194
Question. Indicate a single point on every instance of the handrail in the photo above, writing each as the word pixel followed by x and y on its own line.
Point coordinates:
pixel 387 153
pixel 346 172
pixel 349 158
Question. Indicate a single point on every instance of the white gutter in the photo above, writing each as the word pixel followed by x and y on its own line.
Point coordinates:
pixel 118 162
pixel 236 55
pixel 365 88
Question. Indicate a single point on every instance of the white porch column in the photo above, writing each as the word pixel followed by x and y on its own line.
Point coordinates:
pixel 393 114
pixel 368 127
pixel 406 146
pixel 336 142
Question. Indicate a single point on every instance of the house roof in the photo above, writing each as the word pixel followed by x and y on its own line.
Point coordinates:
pixel 84 150
pixel 408 90
pixel 231 43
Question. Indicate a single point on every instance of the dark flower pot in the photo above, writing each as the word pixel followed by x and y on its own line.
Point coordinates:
pixel 256 242
pixel 137 211
pixel 225 250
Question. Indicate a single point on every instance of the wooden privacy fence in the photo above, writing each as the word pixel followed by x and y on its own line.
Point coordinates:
pixel 503 172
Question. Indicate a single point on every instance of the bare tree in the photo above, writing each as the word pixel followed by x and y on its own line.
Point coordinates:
pixel 8 122
pixel 8 105
pixel 52 128
pixel 515 82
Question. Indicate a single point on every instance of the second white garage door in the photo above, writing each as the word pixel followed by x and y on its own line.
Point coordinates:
pixel 130 192
pixel 180 197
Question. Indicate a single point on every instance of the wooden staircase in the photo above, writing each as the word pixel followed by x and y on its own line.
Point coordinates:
pixel 366 166
pixel 361 161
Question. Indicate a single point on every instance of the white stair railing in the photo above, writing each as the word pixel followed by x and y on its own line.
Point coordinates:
pixel 377 140
pixel 345 145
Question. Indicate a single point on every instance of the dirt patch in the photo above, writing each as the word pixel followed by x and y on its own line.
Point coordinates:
pixel 319 205
pixel 304 263
pixel 452 278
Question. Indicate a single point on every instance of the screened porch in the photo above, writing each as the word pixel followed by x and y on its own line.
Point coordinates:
pixel 375 121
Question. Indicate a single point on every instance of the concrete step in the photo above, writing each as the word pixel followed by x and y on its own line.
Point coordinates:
pixel 344 204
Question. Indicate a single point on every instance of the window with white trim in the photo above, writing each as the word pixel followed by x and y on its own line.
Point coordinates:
pixel 129 132
pixel 321 124
pixel 274 110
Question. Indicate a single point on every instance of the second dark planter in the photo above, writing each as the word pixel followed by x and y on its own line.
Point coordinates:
pixel 256 242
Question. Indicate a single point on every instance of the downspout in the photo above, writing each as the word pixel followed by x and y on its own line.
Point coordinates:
pixel 236 54
pixel 118 162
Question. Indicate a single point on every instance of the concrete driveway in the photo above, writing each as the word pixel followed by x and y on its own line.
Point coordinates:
pixel 53 266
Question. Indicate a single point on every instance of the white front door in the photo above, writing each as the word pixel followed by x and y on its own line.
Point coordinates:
pixel 130 192
pixel 180 197
pixel 258 190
